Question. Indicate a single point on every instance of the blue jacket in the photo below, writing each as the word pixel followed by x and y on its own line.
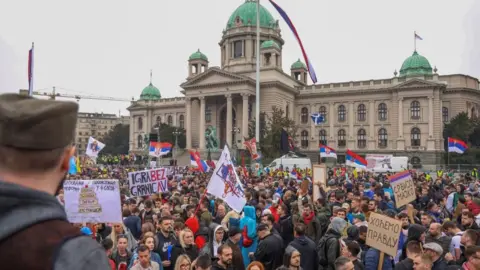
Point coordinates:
pixel 249 221
pixel 373 256
pixel 134 224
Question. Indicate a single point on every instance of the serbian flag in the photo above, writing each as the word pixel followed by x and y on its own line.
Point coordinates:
pixel 30 71
pixel 196 161
pixel 158 149
pixel 289 22
pixel 251 146
pixel 327 152
pixel 456 146
pixel 354 160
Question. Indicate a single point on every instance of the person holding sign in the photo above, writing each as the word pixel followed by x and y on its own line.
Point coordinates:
pixel 35 150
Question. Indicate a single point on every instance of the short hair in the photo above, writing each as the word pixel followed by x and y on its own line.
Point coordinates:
pixel 107 244
pixel 354 248
pixel 148 204
pixel 362 229
pixel 178 225
pixel 269 218
pixel 402 215
pixel 413 247
pixel 204 261
pixel 21 160
pixel 142 248
pixel 427 259
pixel 300 229
pixel 468 214
pixel 471 250
pixel 472 234
pixel 449 225
pixel 222 247
pixel 341 261
pixel 162 219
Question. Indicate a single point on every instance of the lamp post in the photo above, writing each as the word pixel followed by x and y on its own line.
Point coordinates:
pixel 146 146
pixel 159 159
pixel 235 130
pixel 176 133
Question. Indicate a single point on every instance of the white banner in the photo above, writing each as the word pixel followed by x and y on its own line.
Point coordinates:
pixel 144 183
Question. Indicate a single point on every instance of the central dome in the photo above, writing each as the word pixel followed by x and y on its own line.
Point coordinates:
pixel 150 93
pixel 246 14
pixel 416 65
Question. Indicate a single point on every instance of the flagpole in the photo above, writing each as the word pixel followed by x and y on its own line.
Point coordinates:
pixel 414 41
pixel 30 71
pixel 257 89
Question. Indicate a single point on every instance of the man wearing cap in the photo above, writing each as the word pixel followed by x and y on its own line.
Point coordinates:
pixel 435 251
pixel 36 139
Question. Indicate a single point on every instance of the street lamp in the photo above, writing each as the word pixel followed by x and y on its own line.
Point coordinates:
pixel 176 133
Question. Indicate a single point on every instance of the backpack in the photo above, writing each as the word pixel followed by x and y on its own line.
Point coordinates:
pixel 322 250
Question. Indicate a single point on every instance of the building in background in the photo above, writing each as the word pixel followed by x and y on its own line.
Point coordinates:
pixel 402 115
pixel 96 125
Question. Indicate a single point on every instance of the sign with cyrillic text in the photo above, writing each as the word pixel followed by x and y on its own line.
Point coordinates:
pixel 148 182
pixel 92 201
pixel 403 188
pixel 383 233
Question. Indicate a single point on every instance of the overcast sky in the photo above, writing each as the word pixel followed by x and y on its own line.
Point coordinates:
pixel 108 47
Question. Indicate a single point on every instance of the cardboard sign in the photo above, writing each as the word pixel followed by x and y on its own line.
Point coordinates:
pixel 384 233
pixel 319 178
pixel 95 201
pixel 403 188
pixel 148 182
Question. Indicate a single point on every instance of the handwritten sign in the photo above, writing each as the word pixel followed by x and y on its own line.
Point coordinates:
pixel 144 183
pixel 384 233
pixel 95 201
pixel 403 188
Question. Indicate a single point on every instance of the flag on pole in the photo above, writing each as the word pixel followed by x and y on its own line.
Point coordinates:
pixel 30 71
pixel 289 22
pixel 418 37
pixel 327 152
pixel 456 146
pixel 355 160
pixel 317 118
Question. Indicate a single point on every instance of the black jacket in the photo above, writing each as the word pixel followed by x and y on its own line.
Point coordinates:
pixel 190 251
pixel 330 251
pixel 406 264
pixel 285 228
pixel 270 252
pixel 308 255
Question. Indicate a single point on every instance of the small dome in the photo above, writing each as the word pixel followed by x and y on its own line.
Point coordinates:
pixel 416 65
pixel 298 65
pixel 270 44
pixel 247 15
pixel 198 55
pixel 150 93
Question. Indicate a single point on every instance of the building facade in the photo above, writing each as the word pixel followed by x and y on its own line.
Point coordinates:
pixel 96 125
pixel 402 115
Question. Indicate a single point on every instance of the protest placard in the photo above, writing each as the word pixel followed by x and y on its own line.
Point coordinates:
pixel 383 233
pixel 403 188
pixel 95 201
pixel 148 182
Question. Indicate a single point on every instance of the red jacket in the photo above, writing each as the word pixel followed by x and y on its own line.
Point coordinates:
pixel 473 207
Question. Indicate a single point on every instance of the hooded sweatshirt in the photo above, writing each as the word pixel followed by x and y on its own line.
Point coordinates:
pixel 414 233
pixel 21 207
pixel 308 255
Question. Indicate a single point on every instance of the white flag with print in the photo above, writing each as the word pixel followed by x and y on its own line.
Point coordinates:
pixel 94 147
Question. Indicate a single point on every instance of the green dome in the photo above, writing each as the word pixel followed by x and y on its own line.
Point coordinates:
pixel 198 56
pixel 270 44
pixel 415 65
pixel 247 13
pixel 298 65
pixel 150 93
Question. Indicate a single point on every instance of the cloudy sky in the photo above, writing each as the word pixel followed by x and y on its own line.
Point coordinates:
pixel 107 48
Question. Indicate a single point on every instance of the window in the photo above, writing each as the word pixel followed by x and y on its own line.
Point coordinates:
pixel 342 142
pixel 181 120
pixel 287 108
pixel 342 113
pixel 139 141
pixel 382 138
pixel 416 162
pixel 362 138
pixel 382 111
pixel 238 49
pixel 361 112
pixel 304 139
pixel 323 112
pixel 140 123
pixel 304 115
pixel 80 133
pixel 322 137
pixel 445 114
pixel 170 120
pixel 415 137
pixel 158 121
pixel 415 110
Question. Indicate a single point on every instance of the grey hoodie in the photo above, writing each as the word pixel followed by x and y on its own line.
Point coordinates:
pixel 21 207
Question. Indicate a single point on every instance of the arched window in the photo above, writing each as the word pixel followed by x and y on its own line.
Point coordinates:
pixel 139 141
pixel 445 114
pixel 322 137
pixel 323 112
pixel 415 110
pixel 304 139
pixel 304 115
pixel 140 123
pixel 170 120
pixel 416 162
pixel 382 112
pixel 181 120
pixel 287 109
pixel 362 138
pixel 342 141
pixel 382 138
pixel 361 112
pixel 415 136
pixel 342 113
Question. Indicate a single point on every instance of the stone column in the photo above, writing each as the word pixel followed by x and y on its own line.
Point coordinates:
pixel 351 120
pixel 371 119
pixel 188 120
pixel 202 123
pixel 312 127
pixel 133 138
pixel 331 119
pixel 228 132
pixel 400 117
pixel 430 117
pixel 245 116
